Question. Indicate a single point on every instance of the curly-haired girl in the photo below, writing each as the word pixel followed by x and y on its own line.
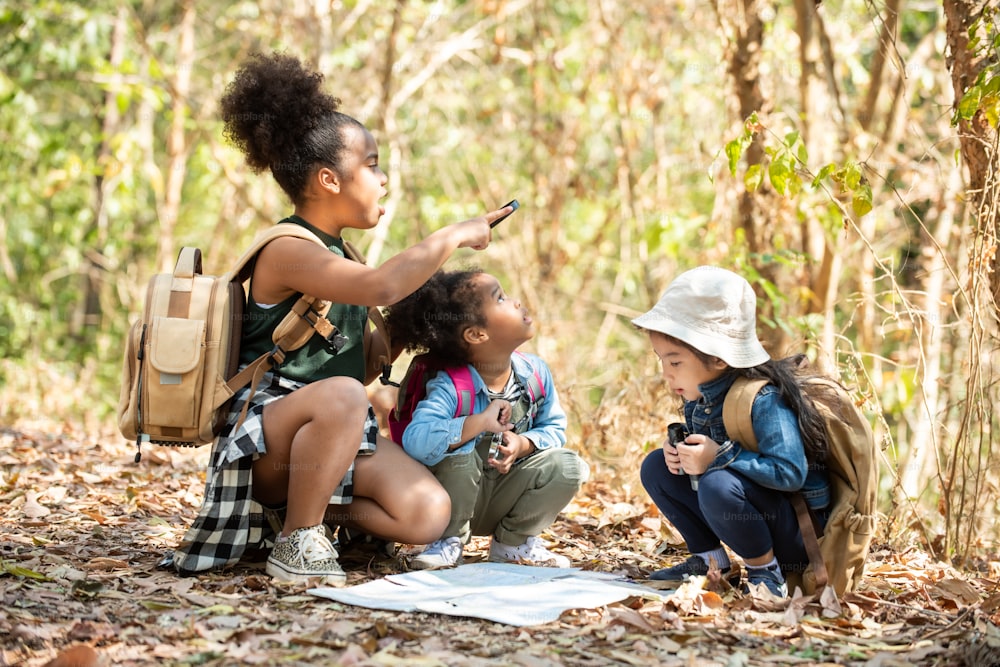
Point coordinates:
pixel 310 438
pixel 515 491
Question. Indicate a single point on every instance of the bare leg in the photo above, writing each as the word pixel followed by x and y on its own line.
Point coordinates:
pixel 312 436
pixel 397 498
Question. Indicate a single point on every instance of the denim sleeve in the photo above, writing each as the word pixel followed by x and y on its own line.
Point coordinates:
pixel 549 427
pixel 435 427
pixel 780 462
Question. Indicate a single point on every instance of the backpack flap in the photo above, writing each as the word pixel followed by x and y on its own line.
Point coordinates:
pixel 174 372
pixel 175 347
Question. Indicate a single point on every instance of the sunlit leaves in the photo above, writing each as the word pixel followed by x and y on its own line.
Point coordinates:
pixel 734 150
pixel 753 177
pixel 781 172
pixel 984 94
pixel 787 167
pixel 851 178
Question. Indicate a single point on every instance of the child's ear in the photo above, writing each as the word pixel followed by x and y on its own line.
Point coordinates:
pixel 475 335
pixel 328 179
pixel 719 364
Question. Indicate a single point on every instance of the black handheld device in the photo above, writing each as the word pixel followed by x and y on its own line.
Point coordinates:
pixel 512 203
pixel 676 434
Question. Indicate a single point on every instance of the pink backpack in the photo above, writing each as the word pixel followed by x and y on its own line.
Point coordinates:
pixel 413 389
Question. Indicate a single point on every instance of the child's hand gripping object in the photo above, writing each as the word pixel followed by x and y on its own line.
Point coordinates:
pixel 677 433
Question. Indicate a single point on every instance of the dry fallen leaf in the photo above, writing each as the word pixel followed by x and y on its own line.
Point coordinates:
pixel 94 557
pixel 32 509
pixel 80 655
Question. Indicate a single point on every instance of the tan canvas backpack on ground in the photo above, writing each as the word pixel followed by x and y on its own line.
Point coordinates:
pixel 837 553
pixel 179 373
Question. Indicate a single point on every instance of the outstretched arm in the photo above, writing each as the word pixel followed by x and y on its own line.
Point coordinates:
pixel 290 265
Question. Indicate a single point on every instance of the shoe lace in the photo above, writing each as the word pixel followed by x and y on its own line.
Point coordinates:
pixel 314 546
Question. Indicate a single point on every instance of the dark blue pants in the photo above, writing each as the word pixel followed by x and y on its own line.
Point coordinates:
pixel 727 508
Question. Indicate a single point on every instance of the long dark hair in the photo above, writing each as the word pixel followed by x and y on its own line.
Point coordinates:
pixel 434 318
pixel 277 115
pixel 788 376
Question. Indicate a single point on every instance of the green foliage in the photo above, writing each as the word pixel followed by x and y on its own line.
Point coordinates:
pixel 984 93
pixel 787 167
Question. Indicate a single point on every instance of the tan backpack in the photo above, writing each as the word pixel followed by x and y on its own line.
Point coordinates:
pixel 179 373
pixel 837 553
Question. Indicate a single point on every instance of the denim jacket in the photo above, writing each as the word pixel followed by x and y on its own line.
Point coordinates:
pixel 435 427
pixel 780 463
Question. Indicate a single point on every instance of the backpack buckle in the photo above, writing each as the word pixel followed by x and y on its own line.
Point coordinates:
pixel 276 356
pixel 335 341
pixel 384 378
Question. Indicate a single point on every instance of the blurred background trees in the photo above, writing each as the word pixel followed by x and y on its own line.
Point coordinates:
pixel 842 156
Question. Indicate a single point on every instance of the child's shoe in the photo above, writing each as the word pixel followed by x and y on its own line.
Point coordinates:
pixel 307 554
pixel 771 577
pixel 446 552
pixel 694 566
pixel 532 550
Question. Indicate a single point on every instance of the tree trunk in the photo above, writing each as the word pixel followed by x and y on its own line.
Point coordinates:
pixel 759 213
pixel 743 29
pixel 977 138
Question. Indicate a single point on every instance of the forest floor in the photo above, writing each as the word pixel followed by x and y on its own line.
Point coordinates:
pixel 83 528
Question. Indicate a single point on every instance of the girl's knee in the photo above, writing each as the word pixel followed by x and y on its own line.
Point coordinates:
pixel 430 515
pixel 340 397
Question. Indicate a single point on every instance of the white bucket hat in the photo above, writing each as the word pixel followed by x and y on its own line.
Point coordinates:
pixel 712 310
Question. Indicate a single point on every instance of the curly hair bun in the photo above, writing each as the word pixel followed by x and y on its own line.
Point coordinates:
pixel 270 108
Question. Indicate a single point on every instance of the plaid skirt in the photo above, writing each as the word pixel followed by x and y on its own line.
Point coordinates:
pixel 230 521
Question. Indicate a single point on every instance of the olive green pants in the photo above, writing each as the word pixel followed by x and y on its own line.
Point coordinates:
pixel 511 507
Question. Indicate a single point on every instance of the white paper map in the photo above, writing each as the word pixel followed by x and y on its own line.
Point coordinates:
pixel 502 592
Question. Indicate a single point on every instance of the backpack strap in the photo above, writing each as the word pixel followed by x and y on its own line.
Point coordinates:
pixel 535 386
pixel 244 265
pixel 465 390
pixel 737 420
pixel 810 539
pixel 736 411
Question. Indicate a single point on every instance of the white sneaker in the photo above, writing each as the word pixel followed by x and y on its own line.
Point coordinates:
pixel 446 552
pixel 305 555
pixel 533 550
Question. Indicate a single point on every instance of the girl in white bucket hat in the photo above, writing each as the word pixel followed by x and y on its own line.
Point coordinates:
pixel 713 491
